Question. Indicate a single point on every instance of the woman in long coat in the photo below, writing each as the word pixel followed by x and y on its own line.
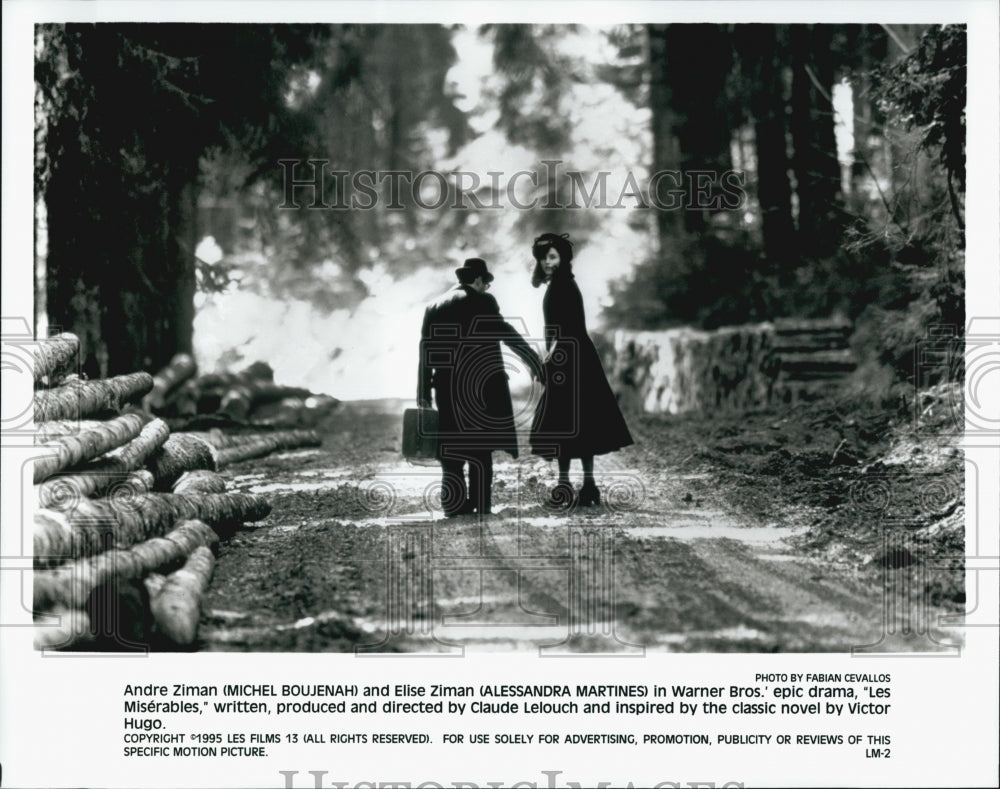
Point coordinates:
pixel 577 415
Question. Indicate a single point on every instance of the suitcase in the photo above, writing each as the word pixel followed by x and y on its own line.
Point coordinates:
pixel 420 434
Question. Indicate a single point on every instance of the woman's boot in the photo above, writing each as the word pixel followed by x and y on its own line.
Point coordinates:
pixel 589 495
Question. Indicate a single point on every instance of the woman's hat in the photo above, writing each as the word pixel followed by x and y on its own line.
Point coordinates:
pixel 474 268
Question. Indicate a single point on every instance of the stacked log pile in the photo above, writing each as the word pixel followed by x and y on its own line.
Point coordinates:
pixel 678 370
pixel 244 413
pixel 251 396
pixel 129 514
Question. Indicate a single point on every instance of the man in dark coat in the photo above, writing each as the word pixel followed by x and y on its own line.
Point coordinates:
pixel 460 359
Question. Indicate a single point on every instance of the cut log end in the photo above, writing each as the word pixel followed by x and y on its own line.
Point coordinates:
pixel 180 453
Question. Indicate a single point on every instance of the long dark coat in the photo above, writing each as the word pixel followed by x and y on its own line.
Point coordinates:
pixel 460 359
pixel 578 414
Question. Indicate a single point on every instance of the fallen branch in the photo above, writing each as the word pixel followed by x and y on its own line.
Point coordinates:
pixel 218 439
pixel 80 399
pixel 241 397
pixel 255 372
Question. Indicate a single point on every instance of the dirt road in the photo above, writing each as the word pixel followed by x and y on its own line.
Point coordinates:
pixel 357 555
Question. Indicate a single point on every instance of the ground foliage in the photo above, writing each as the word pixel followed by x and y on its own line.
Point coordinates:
pixel 854 471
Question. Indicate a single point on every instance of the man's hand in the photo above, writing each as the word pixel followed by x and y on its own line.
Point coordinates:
pixel 423 402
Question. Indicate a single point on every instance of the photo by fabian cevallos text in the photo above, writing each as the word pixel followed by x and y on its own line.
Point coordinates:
pixel 416 364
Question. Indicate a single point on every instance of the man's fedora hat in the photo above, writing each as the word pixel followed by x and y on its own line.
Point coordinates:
pixel 475 267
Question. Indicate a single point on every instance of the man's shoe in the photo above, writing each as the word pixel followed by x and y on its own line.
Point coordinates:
pixel 589 495
pixel 465 509
pixel 561 497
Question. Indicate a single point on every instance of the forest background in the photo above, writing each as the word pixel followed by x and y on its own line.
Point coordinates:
pixel 159 184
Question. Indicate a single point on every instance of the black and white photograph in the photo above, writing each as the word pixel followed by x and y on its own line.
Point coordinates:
pixel 644 345
pixel 703 429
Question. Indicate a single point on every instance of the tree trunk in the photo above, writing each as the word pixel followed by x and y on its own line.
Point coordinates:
pixel 74 272
pixel 125 285
pixel 763 49
pixel 664 121
pixel 120 205
pixel 817 169
pixel 699 114
pixel 869 47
